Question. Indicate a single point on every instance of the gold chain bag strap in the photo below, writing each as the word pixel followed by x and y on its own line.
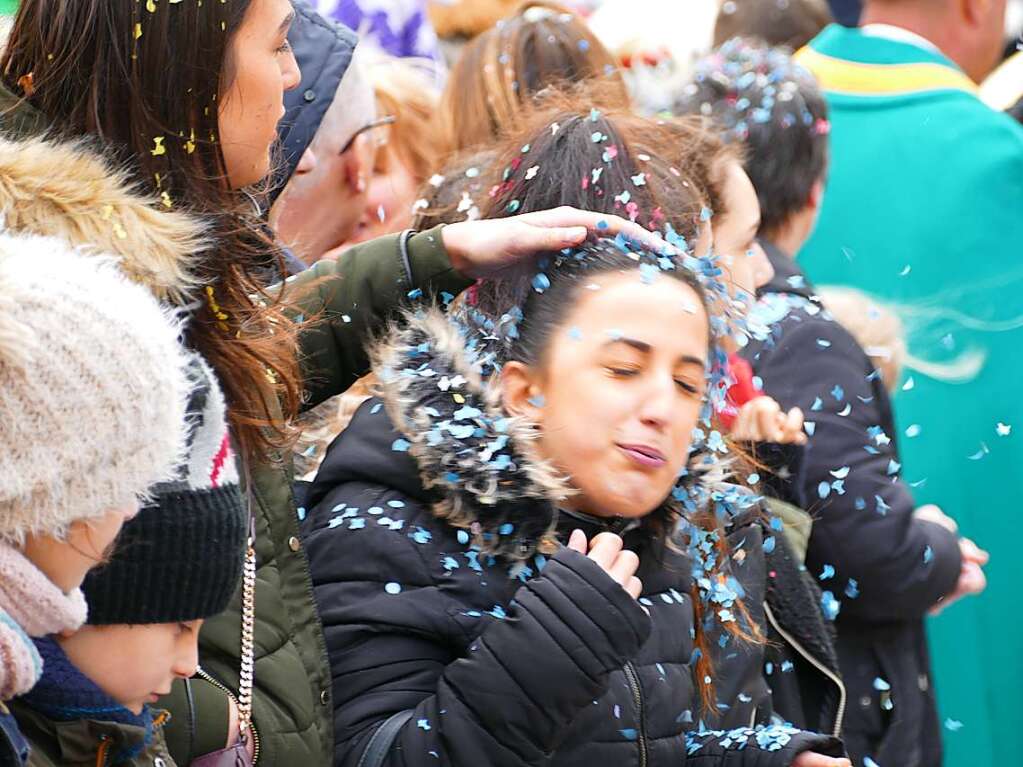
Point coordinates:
pixel 238 754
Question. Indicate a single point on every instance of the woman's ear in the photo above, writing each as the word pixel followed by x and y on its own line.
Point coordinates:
pixel 521 393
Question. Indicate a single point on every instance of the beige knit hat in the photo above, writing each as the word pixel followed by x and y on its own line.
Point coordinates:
pixel 93 388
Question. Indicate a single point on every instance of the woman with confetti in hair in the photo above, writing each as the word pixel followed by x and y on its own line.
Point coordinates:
pixel 524 551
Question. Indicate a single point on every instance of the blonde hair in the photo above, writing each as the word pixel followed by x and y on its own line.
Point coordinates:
pixel 500 72
pixel 875 326
pixel 408 89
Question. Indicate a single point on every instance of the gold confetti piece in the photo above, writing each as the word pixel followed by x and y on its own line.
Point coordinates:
pixel 158 147
pixel 159 181
pixel 26 85
pixel 108 211
pixel 458 398
pixel 138 31
pixel 166 199
pixel 119 231
pixel 190 144
pixel 151 6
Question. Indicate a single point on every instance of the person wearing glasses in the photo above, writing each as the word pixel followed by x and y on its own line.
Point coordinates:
pixel 330 134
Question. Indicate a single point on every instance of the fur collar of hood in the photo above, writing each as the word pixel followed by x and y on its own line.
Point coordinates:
pixel 476 458
pixel 65 189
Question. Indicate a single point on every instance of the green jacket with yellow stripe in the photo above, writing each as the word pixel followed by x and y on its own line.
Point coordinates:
pixel 924 209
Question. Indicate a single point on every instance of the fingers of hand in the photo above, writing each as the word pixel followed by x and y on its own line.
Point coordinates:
pixel 972 579
pixel 624 567
pixel 973 553
pixel 604 549
pixel 813 759
pixel 577 542
pixel 635 588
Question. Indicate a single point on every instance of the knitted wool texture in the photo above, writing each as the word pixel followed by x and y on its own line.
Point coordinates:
pixel 180 559
pixel 30 605
pixel 93 388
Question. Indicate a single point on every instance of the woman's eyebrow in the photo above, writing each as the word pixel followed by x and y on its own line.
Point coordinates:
pixel 286 23
pixel 645 348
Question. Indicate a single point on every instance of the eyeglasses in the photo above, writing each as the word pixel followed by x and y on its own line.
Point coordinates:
pixel 378 123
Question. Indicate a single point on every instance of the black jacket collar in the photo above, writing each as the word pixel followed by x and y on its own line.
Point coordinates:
pixel 788 277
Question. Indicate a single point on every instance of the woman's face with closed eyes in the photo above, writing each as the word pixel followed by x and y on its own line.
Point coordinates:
pixel 618 390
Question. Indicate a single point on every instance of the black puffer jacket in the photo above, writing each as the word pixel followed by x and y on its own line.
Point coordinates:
pixel 883 567
pixel 535 661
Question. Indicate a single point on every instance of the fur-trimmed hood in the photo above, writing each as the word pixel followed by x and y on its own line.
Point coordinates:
pixel 474 457
pixel 66 189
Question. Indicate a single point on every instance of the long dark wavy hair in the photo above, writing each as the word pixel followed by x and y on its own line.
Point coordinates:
pixel 143 78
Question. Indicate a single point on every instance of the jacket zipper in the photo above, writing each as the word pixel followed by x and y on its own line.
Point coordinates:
pixel 817 665
pixel 637 696
pixel 252 726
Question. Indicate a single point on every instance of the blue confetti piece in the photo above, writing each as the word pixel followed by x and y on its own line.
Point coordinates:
pixel 829 605
pixel 953 725
pixel 300 511
pixel 809 427
pixel 823 343
pixel 396 504
pixel 376 408
pixel 419 535
pixel 450 563
pixel 541 282
pixel 506 529
pixel 602 224
pixel 537 401
pixel 840 473
pixel 629 733
pixel 868 762
pixel 928 555
pixel 575 334
pixel 893 467
pixel 423 724
pixel 838 393
pixel 881 685
pixel 818 403
pixel 769 545
pixel 826 572
pixel 852 589
pixel 393 588
pixel 824 490
pixel 400 445
pixel 415 293
pixel 786 666
pixel 462 536
pixel 357 524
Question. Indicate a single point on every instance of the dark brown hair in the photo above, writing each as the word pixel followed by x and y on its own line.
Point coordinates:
pixel 144 78
pixel 542 45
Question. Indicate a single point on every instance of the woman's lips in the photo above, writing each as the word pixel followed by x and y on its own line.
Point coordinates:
pixel 644 455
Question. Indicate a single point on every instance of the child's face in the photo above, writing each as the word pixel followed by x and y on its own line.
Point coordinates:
pixel 135 665
pixel 66 562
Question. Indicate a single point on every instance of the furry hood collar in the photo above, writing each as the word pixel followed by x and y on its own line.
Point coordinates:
pixel 67 190
pixel 476 459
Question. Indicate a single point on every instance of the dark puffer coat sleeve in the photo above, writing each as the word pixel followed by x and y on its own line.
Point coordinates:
pixel 863 525
pixel 525 679
pixel 772 746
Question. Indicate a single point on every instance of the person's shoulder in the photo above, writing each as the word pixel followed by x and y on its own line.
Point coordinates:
pixel 794 325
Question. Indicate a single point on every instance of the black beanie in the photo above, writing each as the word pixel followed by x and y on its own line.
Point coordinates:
pixel 180 558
